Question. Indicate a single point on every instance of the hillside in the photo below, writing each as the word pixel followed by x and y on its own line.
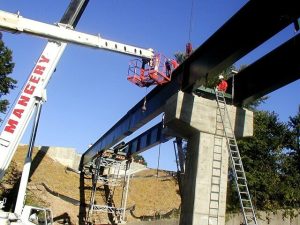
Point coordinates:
pixel 52 185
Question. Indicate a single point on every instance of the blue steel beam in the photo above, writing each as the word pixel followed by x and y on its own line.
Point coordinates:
pixel 252 25
pixel 276 69
pixel 147 140
pixel 133 120
pixel 246 30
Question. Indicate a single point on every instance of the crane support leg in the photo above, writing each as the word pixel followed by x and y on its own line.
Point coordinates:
pixel 27 165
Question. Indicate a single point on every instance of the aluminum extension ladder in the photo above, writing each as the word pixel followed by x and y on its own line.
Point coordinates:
pixel 236 163
pixel 216 173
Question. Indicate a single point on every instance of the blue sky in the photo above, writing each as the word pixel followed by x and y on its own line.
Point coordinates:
pixel 89 92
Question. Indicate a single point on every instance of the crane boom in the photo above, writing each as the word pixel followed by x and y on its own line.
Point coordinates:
pixel 64 33
pixel 24 108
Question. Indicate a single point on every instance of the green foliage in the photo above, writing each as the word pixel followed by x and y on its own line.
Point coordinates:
pixel 271 162
pixel 254 104
pixel 180 57
pixel 290 172
pixel 11 177
pixel 34 200
pixel 139 159
pixel 294 124
pixel 6 67
pixel 227 73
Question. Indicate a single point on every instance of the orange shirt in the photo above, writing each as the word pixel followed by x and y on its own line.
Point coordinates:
pixel 222 86
pixel 174 63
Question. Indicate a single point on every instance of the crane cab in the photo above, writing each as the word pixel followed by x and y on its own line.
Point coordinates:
pixel 145 72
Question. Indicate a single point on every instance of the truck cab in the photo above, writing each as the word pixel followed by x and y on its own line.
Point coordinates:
pixel 30 216
pixel 36 216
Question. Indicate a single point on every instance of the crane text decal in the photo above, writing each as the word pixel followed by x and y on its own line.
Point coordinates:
pixel 26 95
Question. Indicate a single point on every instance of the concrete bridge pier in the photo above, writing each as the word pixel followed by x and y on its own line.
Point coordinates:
pixel 205 180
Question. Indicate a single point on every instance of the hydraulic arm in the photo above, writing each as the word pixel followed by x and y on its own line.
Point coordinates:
pixel 61 32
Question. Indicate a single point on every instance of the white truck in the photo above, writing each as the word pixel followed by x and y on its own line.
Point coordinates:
pixel 30 216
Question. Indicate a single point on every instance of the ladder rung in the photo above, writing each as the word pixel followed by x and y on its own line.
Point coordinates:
pixel 219 153
pixel 217 160
pixel 218 145
pixel 216 176
pixel 218 168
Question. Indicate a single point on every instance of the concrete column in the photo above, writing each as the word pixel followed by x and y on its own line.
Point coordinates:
pixel 205 181
pixel 198 184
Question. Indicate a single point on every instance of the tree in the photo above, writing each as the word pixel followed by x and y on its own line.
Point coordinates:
pixel 6 67
pixel 271 161
pixel 180 57
pixel 139 159
pixel 290 171
pixel 294 124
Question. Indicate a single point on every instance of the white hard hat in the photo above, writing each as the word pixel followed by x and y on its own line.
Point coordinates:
pixel 221 77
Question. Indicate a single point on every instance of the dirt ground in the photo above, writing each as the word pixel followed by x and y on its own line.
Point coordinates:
pixel 52 185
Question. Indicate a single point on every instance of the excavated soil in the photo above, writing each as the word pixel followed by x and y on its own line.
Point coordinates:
pixel 150 197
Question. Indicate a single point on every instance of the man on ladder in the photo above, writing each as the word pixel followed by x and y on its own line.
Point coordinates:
pixel 222 85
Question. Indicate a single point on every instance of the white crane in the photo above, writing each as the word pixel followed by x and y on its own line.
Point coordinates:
pixel 33 95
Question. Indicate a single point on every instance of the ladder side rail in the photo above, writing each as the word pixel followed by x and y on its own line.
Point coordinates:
pixel 235 143
pixel 65 33
pixel 22 112
pixel 233 136
pixel 215 178
pixel 228 144
pixel 232 159
pixel 229 149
